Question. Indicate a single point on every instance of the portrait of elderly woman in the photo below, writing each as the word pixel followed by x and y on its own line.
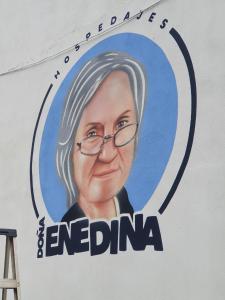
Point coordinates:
pixel 98 136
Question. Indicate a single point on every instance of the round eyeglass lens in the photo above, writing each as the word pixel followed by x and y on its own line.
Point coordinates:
pixel 91 145
pixel 125 135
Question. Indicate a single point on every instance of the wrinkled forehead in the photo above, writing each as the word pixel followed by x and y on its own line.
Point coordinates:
pixel 112 98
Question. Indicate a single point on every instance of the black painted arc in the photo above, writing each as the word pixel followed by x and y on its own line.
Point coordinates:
pixel 186 157
pixel 32 151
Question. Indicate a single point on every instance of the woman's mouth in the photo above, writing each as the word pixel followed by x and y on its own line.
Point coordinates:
pixel 106 172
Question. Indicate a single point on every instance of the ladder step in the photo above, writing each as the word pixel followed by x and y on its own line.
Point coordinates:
pixel 9 283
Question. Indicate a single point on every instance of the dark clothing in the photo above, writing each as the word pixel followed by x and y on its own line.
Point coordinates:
pixel 75 212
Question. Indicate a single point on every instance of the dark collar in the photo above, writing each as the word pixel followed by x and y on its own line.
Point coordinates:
pixel 75 212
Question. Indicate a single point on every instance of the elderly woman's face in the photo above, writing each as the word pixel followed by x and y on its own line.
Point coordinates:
pixel 100 177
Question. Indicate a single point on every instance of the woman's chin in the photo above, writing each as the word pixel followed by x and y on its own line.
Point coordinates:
pixel 102 194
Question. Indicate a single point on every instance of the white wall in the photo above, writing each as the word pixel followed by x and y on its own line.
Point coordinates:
pixel 192 264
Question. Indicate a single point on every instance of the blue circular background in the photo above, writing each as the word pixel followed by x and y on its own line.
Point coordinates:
pixel 157 131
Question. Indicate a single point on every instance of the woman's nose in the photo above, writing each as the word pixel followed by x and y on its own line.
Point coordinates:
pixel 108 151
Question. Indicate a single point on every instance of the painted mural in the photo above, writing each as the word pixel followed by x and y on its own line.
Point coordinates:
pixel 105 139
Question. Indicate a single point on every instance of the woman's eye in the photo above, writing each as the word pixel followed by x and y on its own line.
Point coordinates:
pixel 91 133
pixel 121 124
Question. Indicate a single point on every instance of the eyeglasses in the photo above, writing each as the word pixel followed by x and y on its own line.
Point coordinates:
pixel 93 145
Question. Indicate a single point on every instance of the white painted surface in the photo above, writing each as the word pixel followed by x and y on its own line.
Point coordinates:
pixel 31 30
pixel 192 265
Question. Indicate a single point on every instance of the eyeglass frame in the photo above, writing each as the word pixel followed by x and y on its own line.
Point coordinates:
pixel 107 138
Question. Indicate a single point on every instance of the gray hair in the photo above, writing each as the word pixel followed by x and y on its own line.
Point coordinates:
pixel 84 86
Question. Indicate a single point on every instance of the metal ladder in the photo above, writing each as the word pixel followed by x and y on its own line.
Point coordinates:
pixel 10 248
